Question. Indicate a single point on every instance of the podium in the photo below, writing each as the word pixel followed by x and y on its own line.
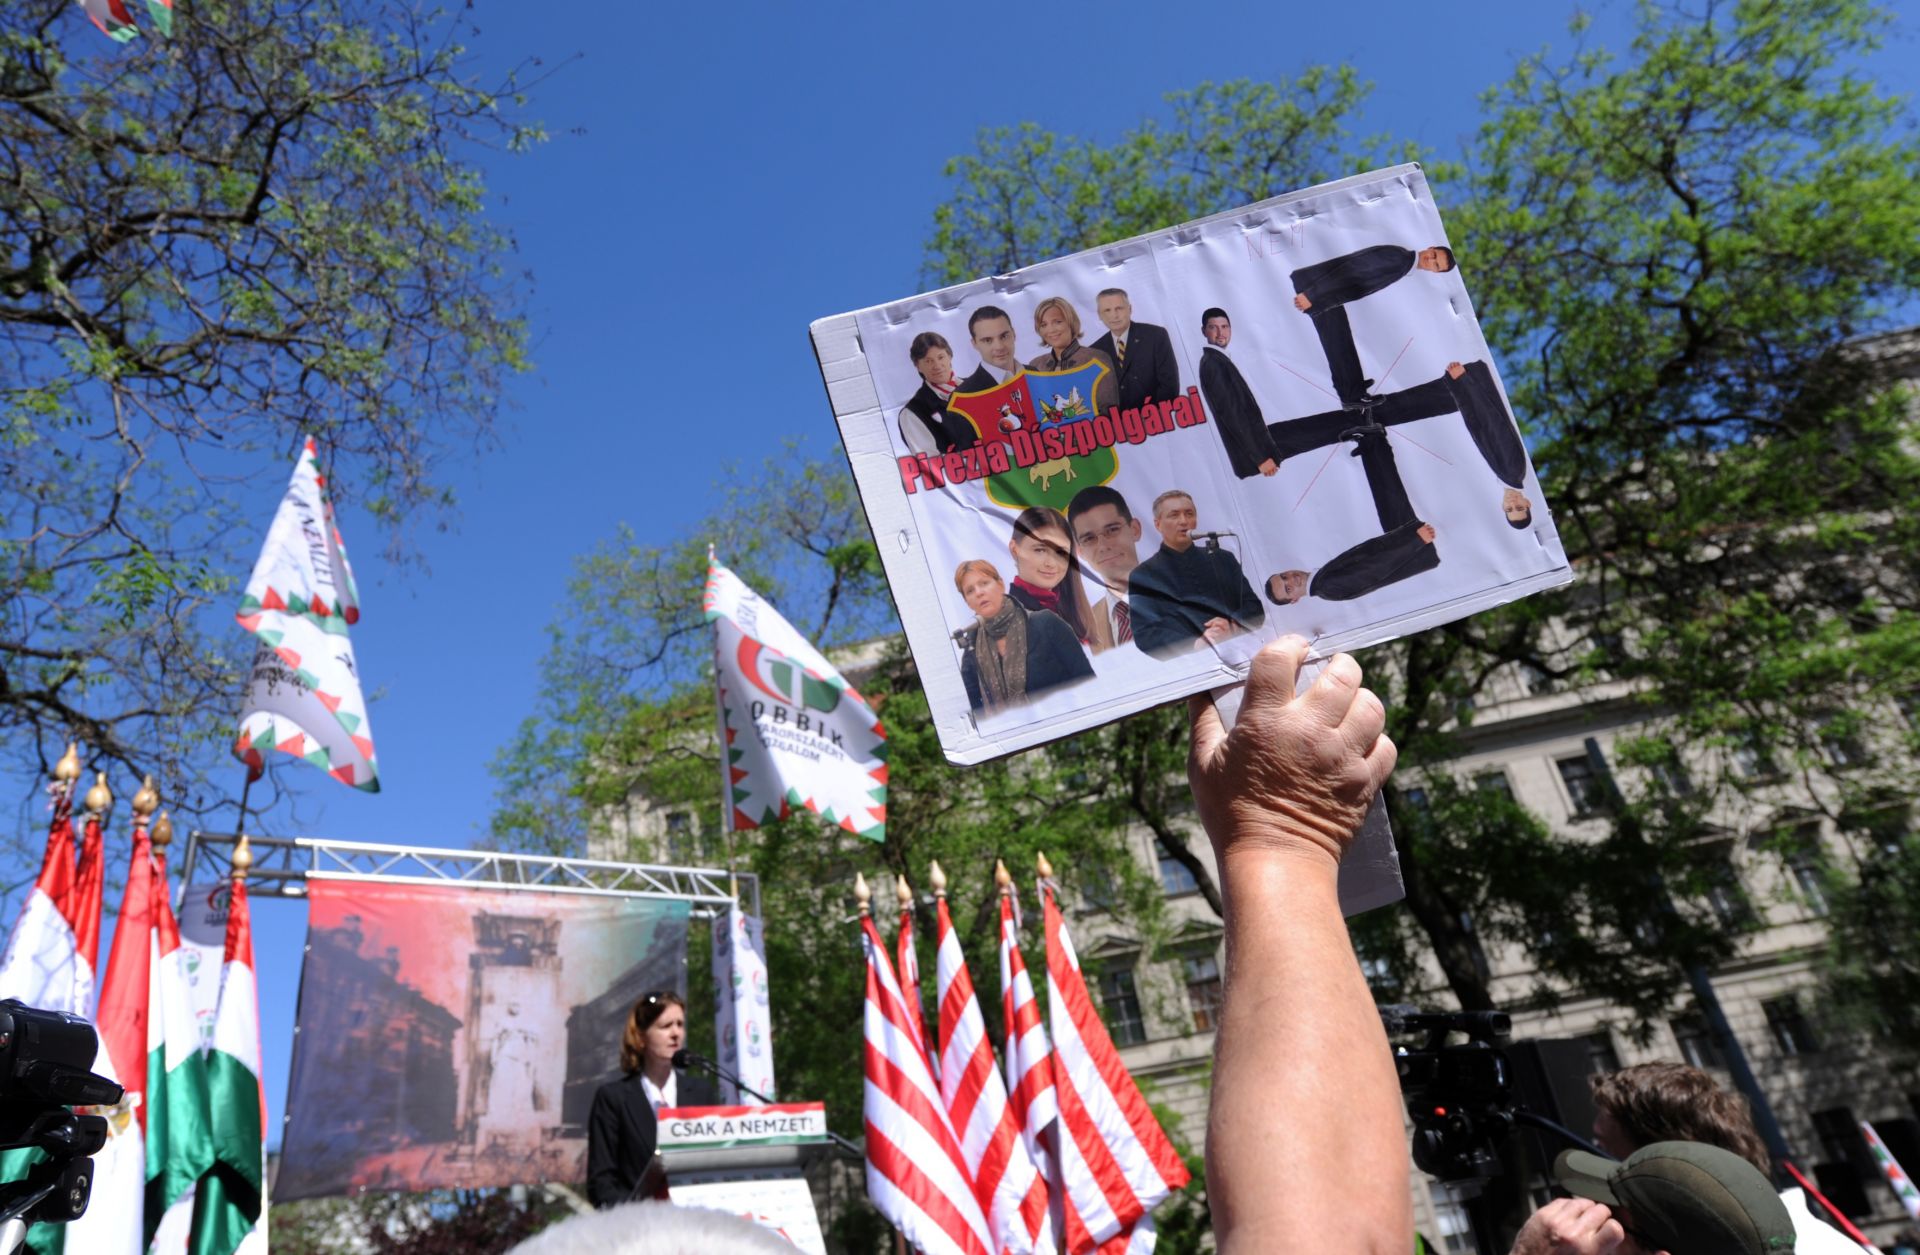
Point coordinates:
pixel 749 1161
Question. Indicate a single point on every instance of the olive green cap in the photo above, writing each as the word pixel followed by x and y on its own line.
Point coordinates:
pixel 1688 1198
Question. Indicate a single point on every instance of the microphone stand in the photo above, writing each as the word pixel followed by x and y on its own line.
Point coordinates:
pixel 683 1058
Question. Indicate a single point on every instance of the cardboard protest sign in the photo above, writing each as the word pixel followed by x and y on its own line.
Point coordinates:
pixel 1104 481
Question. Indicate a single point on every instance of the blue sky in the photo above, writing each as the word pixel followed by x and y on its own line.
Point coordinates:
pixel 717 177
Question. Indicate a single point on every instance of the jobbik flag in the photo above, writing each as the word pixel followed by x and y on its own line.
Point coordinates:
pixel 303 695
pixel 743 1018
pixel 1897 1178
pixel 796 734
pixel 917 1174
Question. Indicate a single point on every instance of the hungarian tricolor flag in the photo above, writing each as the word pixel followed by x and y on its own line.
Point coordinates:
pixel 42 965
pixel 180 1146
pixel 113 1223
pixel 228 1205
pixel 52 951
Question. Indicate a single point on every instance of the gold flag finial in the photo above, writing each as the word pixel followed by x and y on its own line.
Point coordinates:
pixel 938 879
pixel 242 856
pixel 1046 868
pixel 67 770
pixel 162 833
pixel 100 797
pixel 862 894
pixel 1001 877
pixel 733 886
pixel 904 892
pixel 146 801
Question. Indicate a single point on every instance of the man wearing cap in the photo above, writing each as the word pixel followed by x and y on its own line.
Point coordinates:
pixel 1669 1198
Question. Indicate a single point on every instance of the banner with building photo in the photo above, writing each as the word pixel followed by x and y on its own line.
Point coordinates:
pixel 1104 481
pixel 453 1038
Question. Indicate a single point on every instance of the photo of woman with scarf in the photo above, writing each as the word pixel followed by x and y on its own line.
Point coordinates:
pixel 1046 567
pixel 1011 653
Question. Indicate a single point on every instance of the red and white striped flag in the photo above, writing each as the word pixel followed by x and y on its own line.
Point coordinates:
pixel 916 1174
pixel 1008 1185
pixel 909 969
pixel 1029 1062
pixel 1116 1161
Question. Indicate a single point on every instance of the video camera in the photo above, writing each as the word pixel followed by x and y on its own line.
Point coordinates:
pixel 1460 1094
pixel 46 1062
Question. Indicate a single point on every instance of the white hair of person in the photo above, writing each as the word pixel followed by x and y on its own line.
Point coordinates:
pixel 654 1228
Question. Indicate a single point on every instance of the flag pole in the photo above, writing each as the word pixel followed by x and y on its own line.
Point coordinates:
pixel 720 726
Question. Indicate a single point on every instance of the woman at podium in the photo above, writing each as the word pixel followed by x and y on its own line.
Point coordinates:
pixel 621 1137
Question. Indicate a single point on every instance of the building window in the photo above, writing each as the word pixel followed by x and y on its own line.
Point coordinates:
pixel 1415 799
pixel 1788 1024
pixel 1535 680
pixel 1584 788
pixel 1841 1142
pixel 1601 1056
pixel 1841 743
pixel 1696 1044
pixel 1886 828
pixel 1807 864
pixel 1672 776
pixel 1494 782
pixel 680 837
pixel 1175 877
pixel 1753 760
pixel 1120 1006
pixel 1725 898
pixel 1203 990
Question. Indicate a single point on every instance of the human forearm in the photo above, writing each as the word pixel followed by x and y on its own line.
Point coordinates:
pixel 1304 1134
pixel 1304 1141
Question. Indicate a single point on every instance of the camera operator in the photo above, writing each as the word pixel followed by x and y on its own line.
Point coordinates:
pixel 1305 1149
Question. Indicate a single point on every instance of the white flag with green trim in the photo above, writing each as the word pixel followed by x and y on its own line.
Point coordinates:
pixel 303 698
pixel 797 736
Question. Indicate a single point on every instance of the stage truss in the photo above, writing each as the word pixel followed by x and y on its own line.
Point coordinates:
pixel 282 866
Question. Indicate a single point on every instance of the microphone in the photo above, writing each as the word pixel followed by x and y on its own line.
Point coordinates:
pixel 682 1058
pixel 686 1058
pixel 1213 535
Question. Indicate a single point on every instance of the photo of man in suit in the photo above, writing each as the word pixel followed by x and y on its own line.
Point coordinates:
pixel 1142 352
pixel 1236 413
pixel 1325 289
pixel 1109 539
pixel 1187 595
pixel 992 330
pixel 1404 548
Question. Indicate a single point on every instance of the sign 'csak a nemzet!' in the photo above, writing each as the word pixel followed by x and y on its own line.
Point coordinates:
pixel 683 1128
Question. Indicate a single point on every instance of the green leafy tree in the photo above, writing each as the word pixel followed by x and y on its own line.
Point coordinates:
pixel 267 226
pixel 1670 251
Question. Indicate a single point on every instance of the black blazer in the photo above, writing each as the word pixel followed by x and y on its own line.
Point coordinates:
pixel 1151 369
pixel 622 1132
pixel 950 431
pixel 1054 657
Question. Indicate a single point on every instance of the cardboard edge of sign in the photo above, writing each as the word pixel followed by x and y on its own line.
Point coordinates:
pixel 857 412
